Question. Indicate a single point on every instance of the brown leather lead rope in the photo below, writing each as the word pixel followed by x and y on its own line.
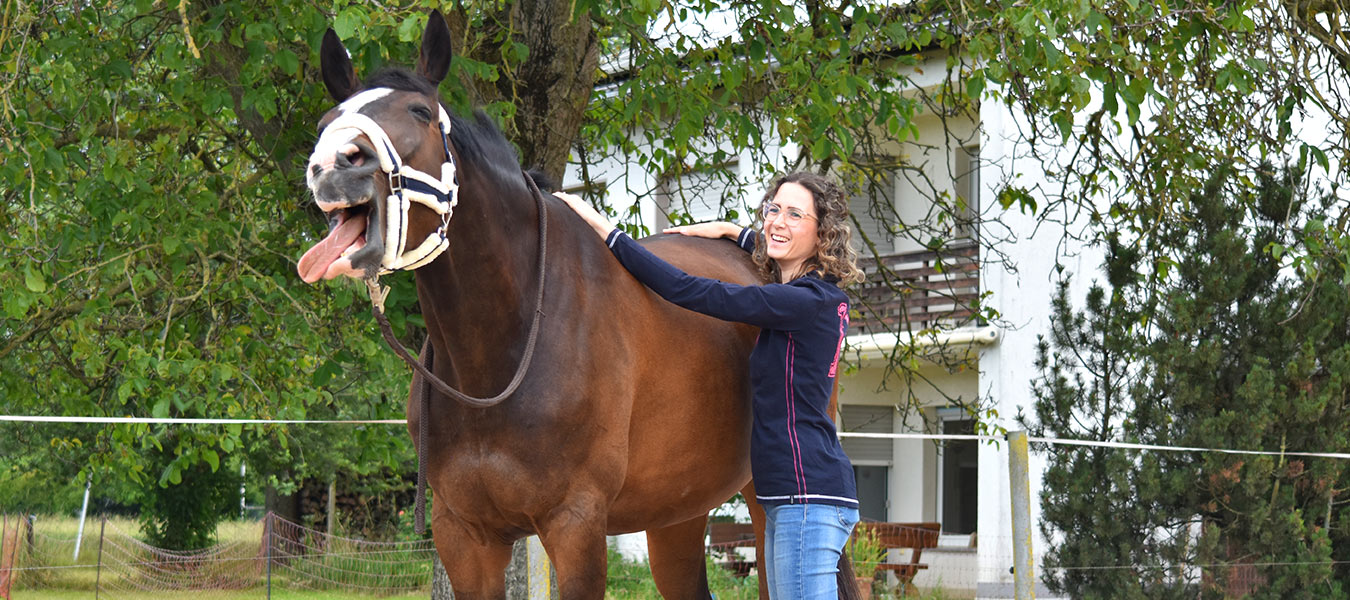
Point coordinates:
pixel 378 293
pixel 423 416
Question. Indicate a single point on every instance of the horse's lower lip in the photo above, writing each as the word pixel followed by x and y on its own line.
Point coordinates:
pixel 328 206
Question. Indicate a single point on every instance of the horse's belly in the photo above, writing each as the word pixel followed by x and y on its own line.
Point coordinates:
pixel 637 512
pixel 689 441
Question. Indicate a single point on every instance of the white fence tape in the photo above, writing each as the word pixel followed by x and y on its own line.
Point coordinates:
pixel 843 434
pixel 54 419
pixel 1098 443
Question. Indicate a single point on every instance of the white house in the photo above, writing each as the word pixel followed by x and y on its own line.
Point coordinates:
pixel 961 484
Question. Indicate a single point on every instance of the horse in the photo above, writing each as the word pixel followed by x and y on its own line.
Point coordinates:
pixel 622 412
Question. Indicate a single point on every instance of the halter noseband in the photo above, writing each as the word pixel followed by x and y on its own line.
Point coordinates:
pixel 406 186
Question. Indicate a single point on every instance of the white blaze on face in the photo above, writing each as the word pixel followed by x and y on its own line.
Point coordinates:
pixel 333 139
pixel 330 257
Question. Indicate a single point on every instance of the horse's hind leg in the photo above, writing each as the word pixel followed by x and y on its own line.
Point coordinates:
pixel 759 520
pixel 676 554
pixel 477 571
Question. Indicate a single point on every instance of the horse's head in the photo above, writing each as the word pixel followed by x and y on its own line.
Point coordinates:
pixel 382 170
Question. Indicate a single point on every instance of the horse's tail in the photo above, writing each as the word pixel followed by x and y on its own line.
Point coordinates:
pixel 847 581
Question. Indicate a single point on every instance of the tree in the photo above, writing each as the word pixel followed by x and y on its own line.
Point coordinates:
pixel 153 211
pixel 1226 349
pixel 153 223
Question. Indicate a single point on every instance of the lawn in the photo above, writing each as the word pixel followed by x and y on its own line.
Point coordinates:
pixel 60 577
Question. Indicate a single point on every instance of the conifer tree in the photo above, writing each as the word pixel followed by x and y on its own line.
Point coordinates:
pixel 1228 345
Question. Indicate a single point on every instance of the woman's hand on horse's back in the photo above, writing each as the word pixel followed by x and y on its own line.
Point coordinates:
pixel 592 217
pixel 715 230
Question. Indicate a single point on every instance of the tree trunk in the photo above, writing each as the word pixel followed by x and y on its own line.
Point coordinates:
pixel 550 88
pixel 440 582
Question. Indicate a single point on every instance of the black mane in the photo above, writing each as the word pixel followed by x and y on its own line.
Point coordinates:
pixel 400 79
pixel 478 141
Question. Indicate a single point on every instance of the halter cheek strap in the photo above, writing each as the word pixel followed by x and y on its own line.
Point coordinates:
pixel 407 185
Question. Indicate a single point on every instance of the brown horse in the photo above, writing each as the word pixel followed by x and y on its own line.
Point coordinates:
pixel 633 414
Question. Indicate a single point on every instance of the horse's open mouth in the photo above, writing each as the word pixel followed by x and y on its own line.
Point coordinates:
pixel 332 256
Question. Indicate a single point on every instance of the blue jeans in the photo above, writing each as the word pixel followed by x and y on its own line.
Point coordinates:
pixel 802 543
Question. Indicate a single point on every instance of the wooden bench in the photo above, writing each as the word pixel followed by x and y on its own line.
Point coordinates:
pixel 727 537
pixel 915 536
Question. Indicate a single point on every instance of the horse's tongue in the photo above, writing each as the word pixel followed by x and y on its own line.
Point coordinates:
pixel 316 261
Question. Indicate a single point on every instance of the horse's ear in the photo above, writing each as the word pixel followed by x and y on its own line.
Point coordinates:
pixel 336 67
pixel 435 60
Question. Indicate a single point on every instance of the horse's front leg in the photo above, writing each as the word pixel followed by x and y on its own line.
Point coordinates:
pixel 477 570
pixel 574 538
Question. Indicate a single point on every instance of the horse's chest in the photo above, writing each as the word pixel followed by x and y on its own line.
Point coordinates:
pixel 517 473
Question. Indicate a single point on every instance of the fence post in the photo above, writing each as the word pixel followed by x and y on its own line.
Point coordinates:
pixel 6 559
pixel 1024 575
pixel 530 576
pixel 30 539
pixel 98 569
pixel 542 580
pixel 267 539
pixel 84 509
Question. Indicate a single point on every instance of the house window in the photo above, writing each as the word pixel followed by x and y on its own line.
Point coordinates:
pixel 699 196
pixel 966 212
pixel 958 474
pixel 872 203
pixel 872 483
pixel 871 458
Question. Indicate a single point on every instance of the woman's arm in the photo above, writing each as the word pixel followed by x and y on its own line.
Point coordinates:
pixel 744 237
pixel 592 217
pixel 717 230
pixel 775 306
pixel 772 306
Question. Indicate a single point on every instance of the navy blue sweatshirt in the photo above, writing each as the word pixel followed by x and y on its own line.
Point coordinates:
pixel 795 456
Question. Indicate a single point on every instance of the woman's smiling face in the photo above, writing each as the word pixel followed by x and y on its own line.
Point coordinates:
pixel 791 232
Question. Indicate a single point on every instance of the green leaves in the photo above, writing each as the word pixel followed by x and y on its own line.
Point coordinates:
pixel 349 20
pixel 33 280
pixel 153 218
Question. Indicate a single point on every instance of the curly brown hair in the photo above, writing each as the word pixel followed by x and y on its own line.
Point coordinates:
pixel 835 256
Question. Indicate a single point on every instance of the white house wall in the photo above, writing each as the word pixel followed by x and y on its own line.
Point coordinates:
pixel 1023 298
pixel 1005 368
pixel 912 491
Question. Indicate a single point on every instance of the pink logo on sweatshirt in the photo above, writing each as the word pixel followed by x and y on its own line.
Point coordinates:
pixel 843 330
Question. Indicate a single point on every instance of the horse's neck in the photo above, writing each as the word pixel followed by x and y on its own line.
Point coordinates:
pixel 478 297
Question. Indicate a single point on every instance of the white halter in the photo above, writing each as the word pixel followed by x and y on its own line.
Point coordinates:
pixel 406 184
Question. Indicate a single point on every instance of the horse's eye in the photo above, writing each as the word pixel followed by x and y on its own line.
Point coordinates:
pixel 421 112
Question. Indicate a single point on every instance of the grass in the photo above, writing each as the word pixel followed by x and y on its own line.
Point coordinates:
pixel 54 544
pixel 48 570
pixel 629 580
pixel 245 594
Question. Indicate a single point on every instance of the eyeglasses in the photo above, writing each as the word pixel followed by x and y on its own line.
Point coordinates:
pixel 770 211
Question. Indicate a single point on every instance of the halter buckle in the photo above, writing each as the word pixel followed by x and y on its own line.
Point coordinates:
pixel 377 292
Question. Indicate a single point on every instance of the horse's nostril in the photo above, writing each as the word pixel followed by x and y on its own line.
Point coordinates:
pixel 351 155
pixel 315 171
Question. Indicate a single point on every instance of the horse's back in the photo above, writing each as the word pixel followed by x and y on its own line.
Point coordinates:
pixel 719 259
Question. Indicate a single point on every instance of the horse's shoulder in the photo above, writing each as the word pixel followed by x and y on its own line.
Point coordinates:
pixel 720 259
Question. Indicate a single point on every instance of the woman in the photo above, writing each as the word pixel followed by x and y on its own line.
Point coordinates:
pixel 802 476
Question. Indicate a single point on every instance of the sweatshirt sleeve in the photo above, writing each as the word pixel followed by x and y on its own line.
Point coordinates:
pixel 747 239
pixel 770 306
